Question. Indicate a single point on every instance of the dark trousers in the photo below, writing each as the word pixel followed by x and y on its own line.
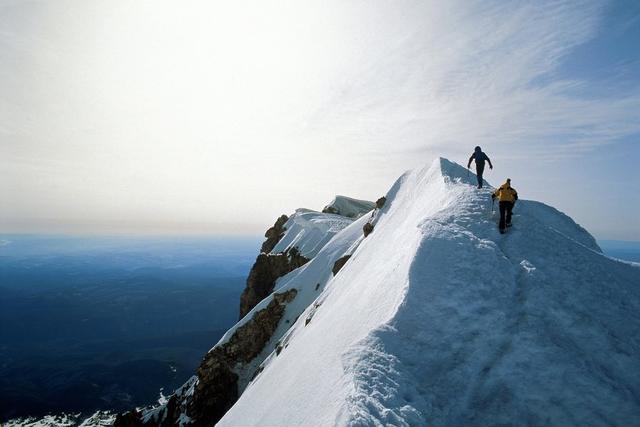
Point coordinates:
pixel 505 214
pixel 479 172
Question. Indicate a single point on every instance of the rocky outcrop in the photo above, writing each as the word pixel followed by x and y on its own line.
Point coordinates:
pixel 227 368
pixel 128 419
pixel 339 264
pixel 263 275
pixel 274 234
pixel 331 210
pixel 133 418
pixel 367 229
pixel 217 388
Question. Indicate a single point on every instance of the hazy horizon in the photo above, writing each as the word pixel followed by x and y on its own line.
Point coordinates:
pixel 146 118
pixel 97 323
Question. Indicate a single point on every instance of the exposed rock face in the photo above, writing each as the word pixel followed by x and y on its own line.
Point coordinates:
pixel 217 389
pixel 367 229
pixel 172 406
pixel 269 267
pixel 133 418
pixel 225 370
pixel 263 275
pixel 330 209
pixel 128 419
pixel 339 264
pixel 274 234
pixel 380 202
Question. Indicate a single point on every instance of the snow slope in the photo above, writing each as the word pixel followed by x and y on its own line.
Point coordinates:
pixel 309 231
pixel 322 238
pixel 437 319
pixel 349 207
pixel 309 281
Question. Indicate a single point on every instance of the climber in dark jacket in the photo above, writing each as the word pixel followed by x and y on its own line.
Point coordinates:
pixel 480 158
pixel 507 196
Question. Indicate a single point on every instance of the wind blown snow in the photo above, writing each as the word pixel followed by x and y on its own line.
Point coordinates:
pixel 437 319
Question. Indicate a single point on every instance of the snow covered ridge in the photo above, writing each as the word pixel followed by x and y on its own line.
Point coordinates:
pixel 291 242
pixel 98 419
pixel 309 231
pixel 433 319
pixel 351 208
pixel 437 319
pixel 296 261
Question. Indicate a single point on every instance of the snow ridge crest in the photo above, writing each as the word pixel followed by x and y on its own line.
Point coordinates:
pixel 438 319
pixel 435 318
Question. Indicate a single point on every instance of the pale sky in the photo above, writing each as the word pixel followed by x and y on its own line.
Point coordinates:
pixel 128 116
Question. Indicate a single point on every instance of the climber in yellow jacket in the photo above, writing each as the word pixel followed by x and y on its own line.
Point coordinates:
pixel 507 196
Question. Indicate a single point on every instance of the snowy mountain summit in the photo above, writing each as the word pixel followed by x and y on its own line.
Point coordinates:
pixel 433 318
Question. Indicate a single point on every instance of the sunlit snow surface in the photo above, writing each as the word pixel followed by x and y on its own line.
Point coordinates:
pixel 437 319
pixel 309 231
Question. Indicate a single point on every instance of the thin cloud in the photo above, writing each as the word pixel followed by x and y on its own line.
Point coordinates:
pixel 482 73
pixel 235 112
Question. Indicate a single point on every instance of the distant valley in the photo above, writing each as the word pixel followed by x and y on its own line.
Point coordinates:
pixel 92 323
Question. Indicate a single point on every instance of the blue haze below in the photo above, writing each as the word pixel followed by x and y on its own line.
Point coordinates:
pixel 624 250
pixel 105 322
